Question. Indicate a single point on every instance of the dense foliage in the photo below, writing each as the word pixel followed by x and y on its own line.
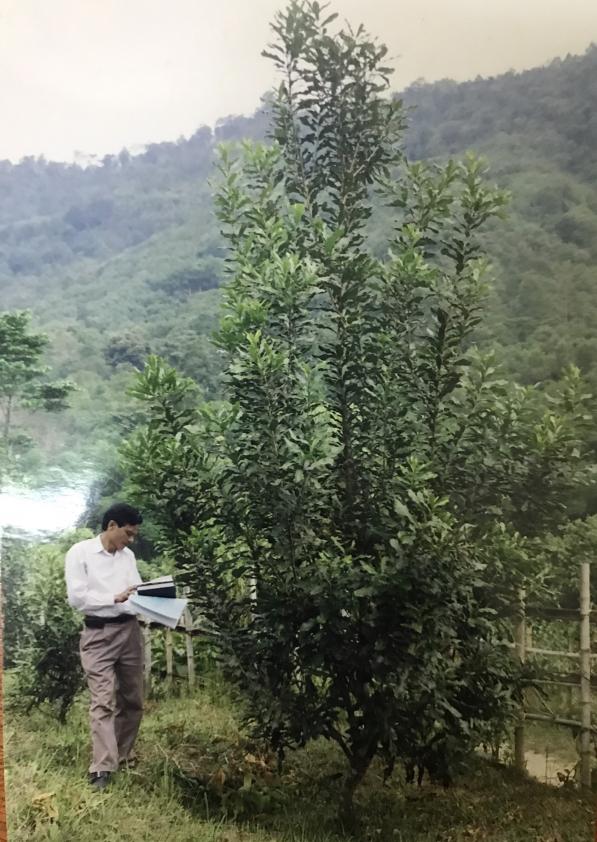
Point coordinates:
pixel 345 519
pixel 14 573
pixel 46 651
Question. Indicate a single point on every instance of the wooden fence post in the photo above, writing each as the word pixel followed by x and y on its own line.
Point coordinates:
pixel 585 675
pixel 168 644
pixel 520 642
pixel 188 624
pixel 569 691
pixel 146 660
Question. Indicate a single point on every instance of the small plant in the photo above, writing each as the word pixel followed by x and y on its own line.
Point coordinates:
pixel 48 664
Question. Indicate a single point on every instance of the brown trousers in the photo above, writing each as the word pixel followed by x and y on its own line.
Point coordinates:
pixel 112 658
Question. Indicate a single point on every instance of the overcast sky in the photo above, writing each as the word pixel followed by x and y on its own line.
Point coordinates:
pixel 98 75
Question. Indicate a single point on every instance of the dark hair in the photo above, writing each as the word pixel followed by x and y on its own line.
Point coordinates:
pixel 123 514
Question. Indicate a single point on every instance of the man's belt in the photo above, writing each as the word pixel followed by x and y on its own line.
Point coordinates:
pixel 100 622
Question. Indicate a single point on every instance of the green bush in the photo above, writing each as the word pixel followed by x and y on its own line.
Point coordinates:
pixel 345 519
pixel 48 665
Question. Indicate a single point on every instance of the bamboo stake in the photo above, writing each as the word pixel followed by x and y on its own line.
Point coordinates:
pixel 585 675
pixel 574 724
pixel 555 653
pixel 188 622
pixel 552 653
pixel 520 639
pixel 169 658
pixel 570 691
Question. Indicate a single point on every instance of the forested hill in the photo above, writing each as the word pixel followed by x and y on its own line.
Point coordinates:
pixel 538 131
pixel 123 257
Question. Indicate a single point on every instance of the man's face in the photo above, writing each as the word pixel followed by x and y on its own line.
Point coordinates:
pixel 121 536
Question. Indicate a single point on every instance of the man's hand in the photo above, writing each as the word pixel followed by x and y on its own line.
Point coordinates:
pixel 122 597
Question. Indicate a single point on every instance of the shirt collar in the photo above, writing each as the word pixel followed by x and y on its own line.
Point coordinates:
pixel 98 547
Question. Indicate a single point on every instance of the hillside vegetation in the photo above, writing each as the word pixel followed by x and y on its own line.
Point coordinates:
pixel 124 258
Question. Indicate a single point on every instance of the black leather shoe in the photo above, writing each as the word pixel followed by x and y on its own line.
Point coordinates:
pixel 99 780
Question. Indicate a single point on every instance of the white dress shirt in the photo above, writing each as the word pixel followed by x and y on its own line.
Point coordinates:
pixel 94 577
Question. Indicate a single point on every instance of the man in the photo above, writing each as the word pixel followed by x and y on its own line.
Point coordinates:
pixel 101 574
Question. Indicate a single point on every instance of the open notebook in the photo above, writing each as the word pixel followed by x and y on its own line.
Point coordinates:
pixel 159 609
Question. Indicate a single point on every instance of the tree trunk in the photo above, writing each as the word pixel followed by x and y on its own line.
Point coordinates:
pixel 348 819
pixel 359 766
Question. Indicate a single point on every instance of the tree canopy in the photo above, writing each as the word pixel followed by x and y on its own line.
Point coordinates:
pixel 23 384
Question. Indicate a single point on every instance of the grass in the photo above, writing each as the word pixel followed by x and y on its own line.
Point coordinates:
pixel 200 780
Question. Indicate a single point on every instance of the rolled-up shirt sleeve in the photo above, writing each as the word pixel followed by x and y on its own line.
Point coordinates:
pixel 80 595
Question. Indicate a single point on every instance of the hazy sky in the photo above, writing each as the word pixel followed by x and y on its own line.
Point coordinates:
pixel 97 75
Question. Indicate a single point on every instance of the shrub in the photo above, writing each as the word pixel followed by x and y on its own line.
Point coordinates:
pixel 346 519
